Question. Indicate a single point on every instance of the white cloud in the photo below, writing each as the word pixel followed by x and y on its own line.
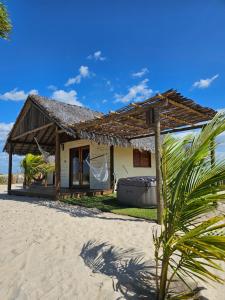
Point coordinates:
pixel 104 101
pixel 16 95
pixel 137 92
pixel 4 130
pixel 204 83
pixel 67 97
pixel 109 85
pixel 83 73
pixel 52 87
pixel 140 73
pixel 97 56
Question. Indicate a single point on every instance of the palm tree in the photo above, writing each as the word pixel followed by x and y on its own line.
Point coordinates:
pixel 35 167
pixel 5 23
pixel 190 242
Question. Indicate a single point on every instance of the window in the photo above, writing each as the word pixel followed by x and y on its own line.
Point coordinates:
pixel 141 158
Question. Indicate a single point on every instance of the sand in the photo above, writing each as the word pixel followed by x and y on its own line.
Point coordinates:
pixel 41 254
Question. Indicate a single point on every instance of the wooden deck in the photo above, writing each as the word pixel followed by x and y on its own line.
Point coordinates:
pixel 49 192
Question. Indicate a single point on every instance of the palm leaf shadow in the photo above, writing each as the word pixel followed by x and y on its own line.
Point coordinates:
pixel 133 277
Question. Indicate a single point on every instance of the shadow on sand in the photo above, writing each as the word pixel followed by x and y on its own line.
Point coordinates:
pixel 72 210
pixel 131 275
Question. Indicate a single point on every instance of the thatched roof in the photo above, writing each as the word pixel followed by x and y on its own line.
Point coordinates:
pixel 44 113
pixel 124 127
pixel 65 114
pixel 129 122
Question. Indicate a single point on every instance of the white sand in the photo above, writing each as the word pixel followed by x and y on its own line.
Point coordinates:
pixel 40 251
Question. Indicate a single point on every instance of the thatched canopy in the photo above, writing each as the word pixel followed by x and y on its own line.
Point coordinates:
pixel 124 127
pixel 39 118
pixel 129 122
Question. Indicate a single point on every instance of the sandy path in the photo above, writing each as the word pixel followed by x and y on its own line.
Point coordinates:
pixel 40 251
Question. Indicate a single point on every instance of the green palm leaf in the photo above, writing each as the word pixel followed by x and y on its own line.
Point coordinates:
pixel 191 243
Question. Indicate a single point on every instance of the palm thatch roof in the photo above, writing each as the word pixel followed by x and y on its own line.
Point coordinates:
pixel 63 113
pixel 124 127
pixel 129 122
pixel 45 114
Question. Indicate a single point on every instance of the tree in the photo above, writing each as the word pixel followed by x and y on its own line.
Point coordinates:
pixel 5 23
pixel 35 168
pixel 190 244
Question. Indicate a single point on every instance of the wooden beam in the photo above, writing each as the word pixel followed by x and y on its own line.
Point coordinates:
pixel 34 144
pixel 110 117
pixel 169 131
pixel 175 119
pixel 10 169
pixel 31 131
pixel 57 162
pixel 177 104
pixel 160 205
pixel 112 167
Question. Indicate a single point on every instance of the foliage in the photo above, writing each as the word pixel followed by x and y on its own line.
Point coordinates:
pixel 191 244
pixel 109 203
pixel 3 179
pixel 16 178
pixel 5 23
pixel 35 167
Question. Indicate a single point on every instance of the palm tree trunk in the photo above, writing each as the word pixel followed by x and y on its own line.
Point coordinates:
pixel 163 278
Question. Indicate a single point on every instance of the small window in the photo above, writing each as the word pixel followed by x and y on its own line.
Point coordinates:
pixel 141 159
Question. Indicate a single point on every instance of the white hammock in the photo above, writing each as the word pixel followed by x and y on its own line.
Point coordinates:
pixel 44 153
pixel 99 173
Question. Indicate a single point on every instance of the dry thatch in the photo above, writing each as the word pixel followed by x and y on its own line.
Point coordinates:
pixel 63 113
pixel 45 114
pixel 125 127
pixel 129 122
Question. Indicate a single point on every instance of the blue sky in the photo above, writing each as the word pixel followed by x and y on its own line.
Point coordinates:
pixel 104 54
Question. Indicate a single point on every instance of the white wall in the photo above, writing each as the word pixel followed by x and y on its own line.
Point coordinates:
pixel 95 150
pixel 123 164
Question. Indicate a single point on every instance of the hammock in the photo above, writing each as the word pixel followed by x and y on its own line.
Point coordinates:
pixel 99 173
pixel 44 153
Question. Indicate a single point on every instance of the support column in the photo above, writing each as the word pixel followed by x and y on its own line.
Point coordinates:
pixel 160 205
pixel 10 169
pixel 212 153
pixel 57 163
pixel 112 167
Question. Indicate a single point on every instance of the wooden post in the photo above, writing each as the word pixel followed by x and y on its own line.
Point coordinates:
pixel 10 169
pixel 160 205
pixel 212 153
pixel 112 167
pixel 57 163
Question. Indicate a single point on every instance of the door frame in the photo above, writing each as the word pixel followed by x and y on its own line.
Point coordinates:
pixel 80 185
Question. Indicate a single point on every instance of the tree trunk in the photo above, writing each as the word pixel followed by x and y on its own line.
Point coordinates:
pixel 163 278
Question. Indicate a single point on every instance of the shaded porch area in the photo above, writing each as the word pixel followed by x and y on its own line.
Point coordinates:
pixel 49 192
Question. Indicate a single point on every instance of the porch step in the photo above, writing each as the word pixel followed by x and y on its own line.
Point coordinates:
pixel 50 193
pixel 78 194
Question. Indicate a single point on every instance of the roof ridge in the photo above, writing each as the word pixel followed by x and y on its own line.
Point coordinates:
pixel 45 98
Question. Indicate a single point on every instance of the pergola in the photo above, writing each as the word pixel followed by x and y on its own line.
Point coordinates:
pixel 54 123
pixel 164 113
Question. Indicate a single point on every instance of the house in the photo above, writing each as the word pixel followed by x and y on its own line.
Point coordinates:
pixel 119 144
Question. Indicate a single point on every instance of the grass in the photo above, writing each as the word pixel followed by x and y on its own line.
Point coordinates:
pixel 109 203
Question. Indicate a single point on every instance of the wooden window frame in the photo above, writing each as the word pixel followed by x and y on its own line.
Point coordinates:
pixel 139 162
pixel 80 185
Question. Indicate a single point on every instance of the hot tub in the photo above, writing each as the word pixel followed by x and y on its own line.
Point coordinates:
pixel 137 191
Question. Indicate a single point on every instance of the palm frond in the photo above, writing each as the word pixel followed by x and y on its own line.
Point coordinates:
pixel 192 243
